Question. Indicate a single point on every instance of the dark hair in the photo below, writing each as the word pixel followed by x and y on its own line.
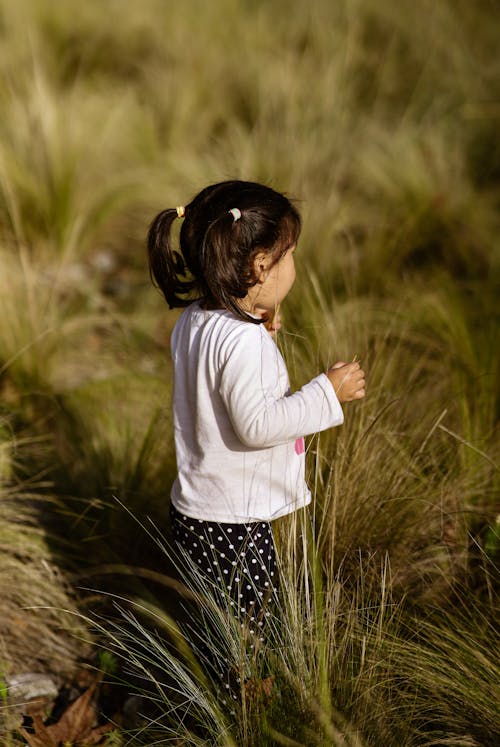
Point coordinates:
pixel 215 261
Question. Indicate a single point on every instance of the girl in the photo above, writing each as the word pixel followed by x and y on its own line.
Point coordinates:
pixel 238 429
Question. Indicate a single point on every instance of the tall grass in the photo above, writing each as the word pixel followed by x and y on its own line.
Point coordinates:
pixel 381 118
pixel 33 588
pixel 415 448
pixel 350 665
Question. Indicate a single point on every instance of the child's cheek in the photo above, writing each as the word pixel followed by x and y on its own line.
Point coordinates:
pixel 300 446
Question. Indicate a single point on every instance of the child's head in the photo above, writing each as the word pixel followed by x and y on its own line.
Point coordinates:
pixel 226 227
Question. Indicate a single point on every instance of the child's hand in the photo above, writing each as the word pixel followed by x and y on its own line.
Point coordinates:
pixel 273 324
pixel 348 380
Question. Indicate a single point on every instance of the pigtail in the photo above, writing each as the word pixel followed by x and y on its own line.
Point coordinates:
pixel 166 265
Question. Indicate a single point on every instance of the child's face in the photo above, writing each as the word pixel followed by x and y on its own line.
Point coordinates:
pixel 274 281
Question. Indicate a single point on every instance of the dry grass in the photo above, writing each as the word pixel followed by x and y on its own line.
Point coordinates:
pixel 382 120
pixel 34 636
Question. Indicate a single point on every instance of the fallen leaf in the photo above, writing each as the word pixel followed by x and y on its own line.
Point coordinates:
pixel 76 726
pixel 41 736
pixel 77 721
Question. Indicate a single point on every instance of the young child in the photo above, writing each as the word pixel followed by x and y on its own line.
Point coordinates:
pixel 239 431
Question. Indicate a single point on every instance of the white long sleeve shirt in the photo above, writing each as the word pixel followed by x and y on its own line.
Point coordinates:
pixel 238 429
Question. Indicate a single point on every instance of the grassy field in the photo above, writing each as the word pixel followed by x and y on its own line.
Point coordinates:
pixel 381 119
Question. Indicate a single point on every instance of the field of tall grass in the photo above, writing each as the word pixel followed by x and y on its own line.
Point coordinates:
pixel 381 120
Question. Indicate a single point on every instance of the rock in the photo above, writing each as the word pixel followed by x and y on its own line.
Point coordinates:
pixel 24 689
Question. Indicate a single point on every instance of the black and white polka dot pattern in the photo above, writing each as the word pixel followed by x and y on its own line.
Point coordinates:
pixel 239 562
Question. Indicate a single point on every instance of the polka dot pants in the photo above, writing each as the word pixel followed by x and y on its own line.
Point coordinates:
pixel 239 562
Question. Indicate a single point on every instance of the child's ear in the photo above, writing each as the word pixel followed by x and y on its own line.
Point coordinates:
pixel 261 266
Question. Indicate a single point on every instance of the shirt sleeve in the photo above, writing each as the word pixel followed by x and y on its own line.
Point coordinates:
pixel 251 387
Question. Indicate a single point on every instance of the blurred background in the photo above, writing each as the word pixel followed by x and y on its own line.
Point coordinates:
pixel 381 120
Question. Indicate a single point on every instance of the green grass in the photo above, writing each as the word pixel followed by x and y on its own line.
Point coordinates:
pixel 381 118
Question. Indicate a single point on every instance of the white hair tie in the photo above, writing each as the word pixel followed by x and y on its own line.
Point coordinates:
pixel 236 213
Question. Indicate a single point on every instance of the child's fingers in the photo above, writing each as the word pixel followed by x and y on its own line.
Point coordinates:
pixel 274 327
pixel 352 366
pixel 352 371
pixel 273 324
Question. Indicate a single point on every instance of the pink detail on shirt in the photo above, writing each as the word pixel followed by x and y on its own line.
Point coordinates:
pixel 300 446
